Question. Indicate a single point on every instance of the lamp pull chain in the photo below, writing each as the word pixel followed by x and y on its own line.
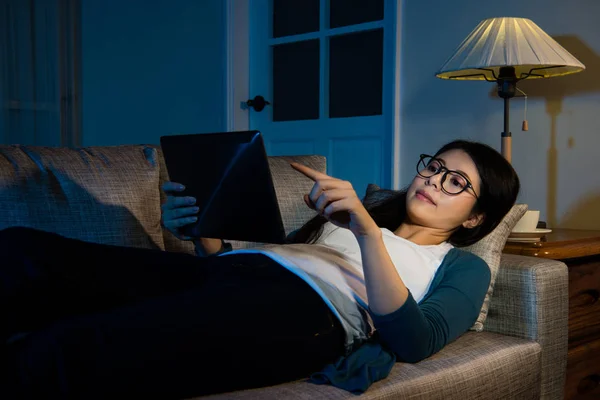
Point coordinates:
pixel 525 126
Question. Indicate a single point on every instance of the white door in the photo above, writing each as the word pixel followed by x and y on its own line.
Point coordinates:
pixel 326 67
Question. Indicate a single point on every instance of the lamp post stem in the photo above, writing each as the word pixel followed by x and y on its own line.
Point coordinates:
pixel 506 135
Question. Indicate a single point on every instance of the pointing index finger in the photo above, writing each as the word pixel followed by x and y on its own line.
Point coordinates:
pixel 308 172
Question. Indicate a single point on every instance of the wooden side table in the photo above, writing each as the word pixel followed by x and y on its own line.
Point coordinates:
pixel 580 251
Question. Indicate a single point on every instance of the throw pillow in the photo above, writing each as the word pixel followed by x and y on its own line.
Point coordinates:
pixel 488 248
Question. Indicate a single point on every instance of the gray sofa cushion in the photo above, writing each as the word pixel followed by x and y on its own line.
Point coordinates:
pixel 104 194
pixel 478 365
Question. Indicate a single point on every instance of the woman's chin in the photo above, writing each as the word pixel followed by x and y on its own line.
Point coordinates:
pixel 421 214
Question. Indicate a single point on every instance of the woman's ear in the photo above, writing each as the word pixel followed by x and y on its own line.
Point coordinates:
pixel 474 220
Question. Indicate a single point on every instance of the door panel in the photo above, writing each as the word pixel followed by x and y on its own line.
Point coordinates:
pixel 323 66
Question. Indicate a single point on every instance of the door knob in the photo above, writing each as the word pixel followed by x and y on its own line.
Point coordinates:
pixel 258 103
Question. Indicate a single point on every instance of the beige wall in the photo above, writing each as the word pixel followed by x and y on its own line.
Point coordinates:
pixel 558 159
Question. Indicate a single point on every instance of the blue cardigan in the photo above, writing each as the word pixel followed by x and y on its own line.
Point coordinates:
pixel 416 331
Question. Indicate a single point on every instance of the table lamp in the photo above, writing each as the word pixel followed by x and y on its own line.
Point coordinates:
pixel 505 51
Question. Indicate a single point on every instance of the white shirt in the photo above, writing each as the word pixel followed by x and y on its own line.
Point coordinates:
pixel 416 264
pixel 333 268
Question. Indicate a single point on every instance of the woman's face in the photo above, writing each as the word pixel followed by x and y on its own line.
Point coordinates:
pixel 427 205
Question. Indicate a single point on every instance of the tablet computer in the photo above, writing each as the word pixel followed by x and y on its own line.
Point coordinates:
pixel 228 174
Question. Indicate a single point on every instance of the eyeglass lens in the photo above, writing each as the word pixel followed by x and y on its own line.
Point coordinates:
pixel 452 182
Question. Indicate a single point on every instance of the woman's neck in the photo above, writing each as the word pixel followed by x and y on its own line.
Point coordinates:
pixel 421 235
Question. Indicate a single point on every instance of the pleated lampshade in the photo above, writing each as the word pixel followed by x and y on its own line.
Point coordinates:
pixel 508 42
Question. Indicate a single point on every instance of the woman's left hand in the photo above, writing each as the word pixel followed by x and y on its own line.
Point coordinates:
pixel 337 201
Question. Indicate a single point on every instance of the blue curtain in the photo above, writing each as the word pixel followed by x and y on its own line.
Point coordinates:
pixel 40 72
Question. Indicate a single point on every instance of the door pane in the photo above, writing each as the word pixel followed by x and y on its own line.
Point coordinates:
pixel 296 81
pixel 351 12
pixel 293 17
pixel 356 74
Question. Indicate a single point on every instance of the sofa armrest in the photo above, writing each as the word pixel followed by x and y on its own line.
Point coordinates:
pixel 530 300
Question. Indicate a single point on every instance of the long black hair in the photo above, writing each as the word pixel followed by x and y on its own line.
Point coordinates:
pixel 499 188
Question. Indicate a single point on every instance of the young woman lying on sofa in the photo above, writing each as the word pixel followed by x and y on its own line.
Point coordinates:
pixel 389 279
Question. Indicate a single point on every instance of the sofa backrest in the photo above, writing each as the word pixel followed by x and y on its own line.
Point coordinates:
pixel 105 195
pixel 111 194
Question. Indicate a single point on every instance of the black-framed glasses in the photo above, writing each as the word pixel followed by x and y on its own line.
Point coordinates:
pixel 452 182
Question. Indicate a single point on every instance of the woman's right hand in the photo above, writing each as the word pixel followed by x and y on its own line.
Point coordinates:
pixel 178 211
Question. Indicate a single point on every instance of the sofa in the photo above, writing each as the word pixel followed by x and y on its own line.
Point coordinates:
pixel 112 195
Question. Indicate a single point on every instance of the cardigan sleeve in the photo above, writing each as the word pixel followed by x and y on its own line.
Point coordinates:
pixel 416 331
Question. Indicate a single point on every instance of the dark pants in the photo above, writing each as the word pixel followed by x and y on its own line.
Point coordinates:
pixel 106 321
